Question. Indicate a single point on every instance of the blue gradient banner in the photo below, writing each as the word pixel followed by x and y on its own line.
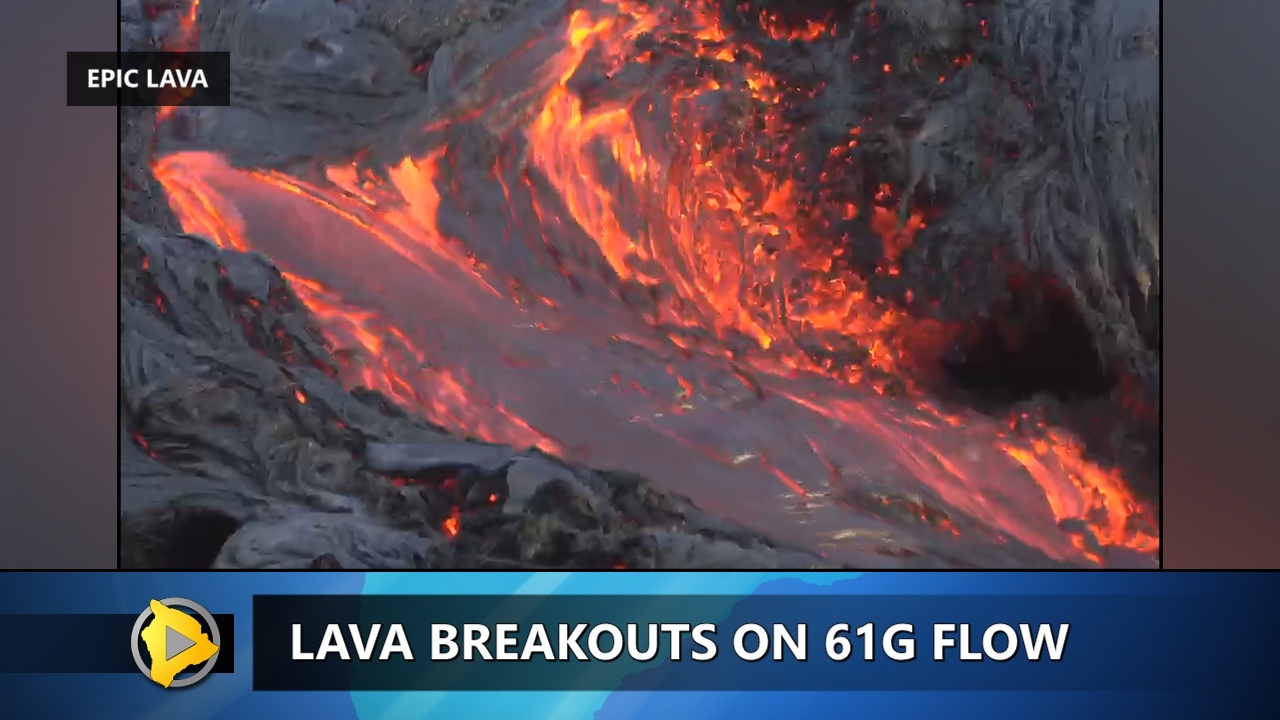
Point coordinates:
pixel 1140 644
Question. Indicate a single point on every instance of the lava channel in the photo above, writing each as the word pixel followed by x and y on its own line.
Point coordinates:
pixel 607 284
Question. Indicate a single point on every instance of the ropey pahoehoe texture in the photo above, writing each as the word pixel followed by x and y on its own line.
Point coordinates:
pixel 1038 157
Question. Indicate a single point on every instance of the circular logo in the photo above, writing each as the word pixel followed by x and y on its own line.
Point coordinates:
pixel 175 641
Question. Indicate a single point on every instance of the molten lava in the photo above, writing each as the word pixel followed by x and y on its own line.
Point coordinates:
pixel 183 38
pixel 682 248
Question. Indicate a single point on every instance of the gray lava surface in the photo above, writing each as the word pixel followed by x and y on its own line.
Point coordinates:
pixel 319 372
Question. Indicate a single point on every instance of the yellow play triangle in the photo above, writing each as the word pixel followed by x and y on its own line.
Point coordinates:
pixel 176 642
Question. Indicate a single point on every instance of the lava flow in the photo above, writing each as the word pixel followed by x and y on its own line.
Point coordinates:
pixel 628 283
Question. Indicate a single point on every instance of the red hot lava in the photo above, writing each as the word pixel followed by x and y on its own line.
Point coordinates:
pixel 719 277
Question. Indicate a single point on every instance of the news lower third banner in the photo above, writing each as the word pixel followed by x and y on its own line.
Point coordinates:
pixel 636 645
pixel 155 79
pixel 762 642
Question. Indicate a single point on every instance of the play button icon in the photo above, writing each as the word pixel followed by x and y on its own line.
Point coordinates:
pixel 175 642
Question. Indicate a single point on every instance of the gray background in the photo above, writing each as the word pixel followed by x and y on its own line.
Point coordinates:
pixel 1221 101
pixel 58 295
pixel 58 290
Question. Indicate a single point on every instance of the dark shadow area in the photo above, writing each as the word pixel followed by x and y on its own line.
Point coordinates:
pixel 1036 344
pixel 180 539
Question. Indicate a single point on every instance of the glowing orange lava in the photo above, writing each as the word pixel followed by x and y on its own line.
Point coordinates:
pixel 726 256
pixel 722 238
pixel 452 401
pixel 185 38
